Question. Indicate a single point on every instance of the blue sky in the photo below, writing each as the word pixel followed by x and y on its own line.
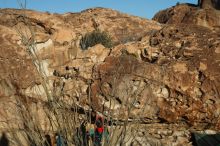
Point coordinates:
pixel 142 8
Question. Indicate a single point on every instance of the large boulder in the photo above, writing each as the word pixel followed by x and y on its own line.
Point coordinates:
pixel 190 14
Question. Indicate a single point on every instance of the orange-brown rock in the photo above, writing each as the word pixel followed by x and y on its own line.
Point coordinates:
pixel 190 14
pixel 163 75
pixel 181 79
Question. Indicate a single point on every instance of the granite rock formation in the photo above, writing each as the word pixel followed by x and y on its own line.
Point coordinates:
pixel 205 15
pixel 167 75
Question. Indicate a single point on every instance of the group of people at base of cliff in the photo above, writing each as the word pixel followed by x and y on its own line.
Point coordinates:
pixel 93 134
pixel 87 134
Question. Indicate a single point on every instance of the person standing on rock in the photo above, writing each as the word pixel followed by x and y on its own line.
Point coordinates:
pixel 84 133
pixel 60 140
pixel 90 133
pixel 98 131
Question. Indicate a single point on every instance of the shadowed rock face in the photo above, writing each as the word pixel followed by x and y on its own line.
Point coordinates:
pixel 169 75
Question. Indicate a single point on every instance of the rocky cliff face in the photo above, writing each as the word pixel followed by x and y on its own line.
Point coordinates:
pixel 190 14
pixel 167 75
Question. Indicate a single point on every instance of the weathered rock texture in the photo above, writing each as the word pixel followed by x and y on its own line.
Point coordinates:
pixel 162 76
pixel 190 14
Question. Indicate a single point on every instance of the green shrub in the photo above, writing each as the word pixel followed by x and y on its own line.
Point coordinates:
pixel 96 37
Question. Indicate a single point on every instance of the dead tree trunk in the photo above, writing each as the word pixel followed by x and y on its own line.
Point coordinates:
pixel 216 4
pixel 205 4
pixel 209 4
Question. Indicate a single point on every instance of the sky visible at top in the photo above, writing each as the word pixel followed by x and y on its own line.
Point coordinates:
pixel 142 8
